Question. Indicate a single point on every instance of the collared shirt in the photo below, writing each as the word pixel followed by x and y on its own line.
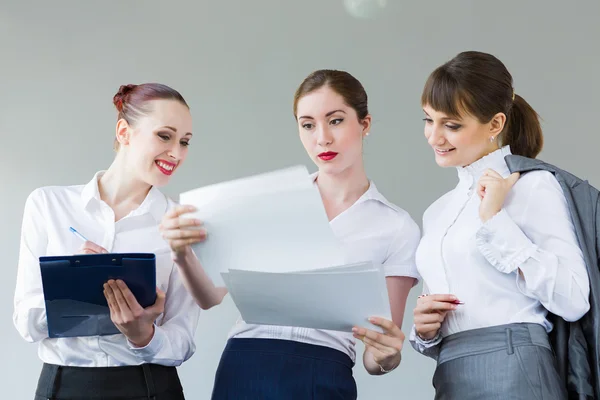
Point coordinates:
pixel 372 229
pixel 480 262
pixel 49 212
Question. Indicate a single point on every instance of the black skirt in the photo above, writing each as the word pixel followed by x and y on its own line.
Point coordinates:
pixel 147 381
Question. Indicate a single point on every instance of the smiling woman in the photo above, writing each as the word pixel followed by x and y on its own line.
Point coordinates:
pixel 119 210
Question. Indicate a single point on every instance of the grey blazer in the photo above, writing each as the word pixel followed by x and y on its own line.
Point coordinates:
pixel 577 344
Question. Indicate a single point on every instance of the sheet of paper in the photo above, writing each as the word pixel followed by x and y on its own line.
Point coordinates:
pixel 332 301
pixel 273 222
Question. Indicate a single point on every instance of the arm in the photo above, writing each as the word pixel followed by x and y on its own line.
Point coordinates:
pixel 180 233
pixel 29 314
pixel 536 241
pixel 173 340
pixel 197 281
pixel 398 289
pixel 401 276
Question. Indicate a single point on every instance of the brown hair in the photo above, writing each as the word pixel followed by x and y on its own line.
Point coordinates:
pixel 131 101
pixel 342 83
pixel 480 85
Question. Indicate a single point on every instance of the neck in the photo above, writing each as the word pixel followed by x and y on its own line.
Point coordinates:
pixel 117 187
pixel 345 187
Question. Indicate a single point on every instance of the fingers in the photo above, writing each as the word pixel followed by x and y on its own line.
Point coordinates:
pixel 430 318
pixel 435 306
pixel 378 340
pixel 125 311
pixel 179 222
pixel 185 234
pixel 437 297
pixel 130 299
pixel 388 326
pixel 383 349
pixel 177 211
pixel 159 305
pixel 92 248
pixel 110 298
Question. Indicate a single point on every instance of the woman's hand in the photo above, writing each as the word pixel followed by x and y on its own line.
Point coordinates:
pixel 430 312
pixel 385 348
pixel 492 189
pixel 181 232
pixel 133 321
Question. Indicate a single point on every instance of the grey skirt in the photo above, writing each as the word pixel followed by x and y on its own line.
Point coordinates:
pixel 506 362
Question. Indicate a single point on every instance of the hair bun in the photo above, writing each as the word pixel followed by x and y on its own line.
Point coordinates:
pixel 119 98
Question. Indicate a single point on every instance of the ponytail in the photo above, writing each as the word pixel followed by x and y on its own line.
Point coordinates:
pixel 523 132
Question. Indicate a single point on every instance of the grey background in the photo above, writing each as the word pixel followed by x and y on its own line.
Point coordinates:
pixel 238 63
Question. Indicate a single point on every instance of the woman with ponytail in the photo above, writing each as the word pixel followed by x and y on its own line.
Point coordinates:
pixel 499 252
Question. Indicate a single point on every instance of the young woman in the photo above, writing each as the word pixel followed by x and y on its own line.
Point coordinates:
pixel 498 253
pixel 277 362
pixel 119 210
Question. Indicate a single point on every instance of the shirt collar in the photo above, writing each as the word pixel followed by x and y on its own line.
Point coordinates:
pixel 155 202
pixel 495 160
pixel 371 194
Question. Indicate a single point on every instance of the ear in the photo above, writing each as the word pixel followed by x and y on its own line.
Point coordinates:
pixel 497 124
pixel 366 125
pixel 123 132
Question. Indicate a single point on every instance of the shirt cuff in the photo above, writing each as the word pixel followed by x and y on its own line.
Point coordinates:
pixel 429 347
pixel 503 243
pixel 149 351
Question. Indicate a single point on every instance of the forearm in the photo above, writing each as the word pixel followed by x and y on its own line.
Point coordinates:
pixel 197 282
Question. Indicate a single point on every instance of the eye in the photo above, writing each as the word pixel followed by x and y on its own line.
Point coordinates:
pixel 428 120
pixel 185 143
pixel 453 127
pixel 307 125
pixel 336 121
pixel 164 136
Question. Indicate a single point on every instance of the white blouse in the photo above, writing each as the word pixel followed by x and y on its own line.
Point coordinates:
pixel 371 229
pixel 49 212
pixel 480 262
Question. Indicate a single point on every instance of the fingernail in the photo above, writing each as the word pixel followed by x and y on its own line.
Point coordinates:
pixel 371 319
pixel 454 298
pixel 354 330
pixel 104 252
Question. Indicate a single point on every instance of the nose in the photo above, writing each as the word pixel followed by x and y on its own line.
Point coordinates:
pixel 435 135
pixel 324 136
pixel 175 152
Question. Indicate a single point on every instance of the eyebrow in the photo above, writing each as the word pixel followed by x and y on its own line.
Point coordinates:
pixel 327 115
pixel 444 118
pixel 175 130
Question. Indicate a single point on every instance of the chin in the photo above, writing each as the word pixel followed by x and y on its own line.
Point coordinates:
pixel 446 162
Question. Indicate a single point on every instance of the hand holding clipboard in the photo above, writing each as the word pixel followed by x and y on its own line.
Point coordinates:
pixel 130 318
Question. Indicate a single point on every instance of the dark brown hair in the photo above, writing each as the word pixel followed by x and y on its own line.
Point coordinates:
pixel 131 101
pixel 342 83
pixel 480 85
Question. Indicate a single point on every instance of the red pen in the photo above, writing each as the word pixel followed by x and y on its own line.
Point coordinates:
pixel 457 302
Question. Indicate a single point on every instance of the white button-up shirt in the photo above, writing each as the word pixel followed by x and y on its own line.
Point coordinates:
pixel 49 212
pixel 372 229
pixel 480 262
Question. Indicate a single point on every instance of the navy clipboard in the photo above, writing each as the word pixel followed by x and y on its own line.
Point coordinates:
pixel 73 290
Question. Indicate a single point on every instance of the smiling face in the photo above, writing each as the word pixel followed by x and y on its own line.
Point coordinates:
pixel 330 130
pixel 460 141
pixel 157 144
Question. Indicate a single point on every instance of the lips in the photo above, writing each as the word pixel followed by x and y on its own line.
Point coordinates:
pixel 443 152
pixel 165 167
pixel 328 155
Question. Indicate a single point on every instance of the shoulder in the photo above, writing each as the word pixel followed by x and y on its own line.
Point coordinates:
pixel 396 216
pixel 48 195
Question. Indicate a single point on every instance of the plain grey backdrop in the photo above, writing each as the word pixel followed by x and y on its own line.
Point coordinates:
pixel 238 63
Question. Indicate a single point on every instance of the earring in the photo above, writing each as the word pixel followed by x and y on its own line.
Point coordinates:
pixel 367 134
pixel 492 138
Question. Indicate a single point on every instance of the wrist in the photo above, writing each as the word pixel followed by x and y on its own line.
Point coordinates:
pixel 143 339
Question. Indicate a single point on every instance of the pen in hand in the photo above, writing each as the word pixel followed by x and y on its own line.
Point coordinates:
pixel 88 246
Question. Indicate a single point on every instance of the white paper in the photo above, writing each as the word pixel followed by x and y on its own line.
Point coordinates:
pixel 323 300
pixel 273 222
